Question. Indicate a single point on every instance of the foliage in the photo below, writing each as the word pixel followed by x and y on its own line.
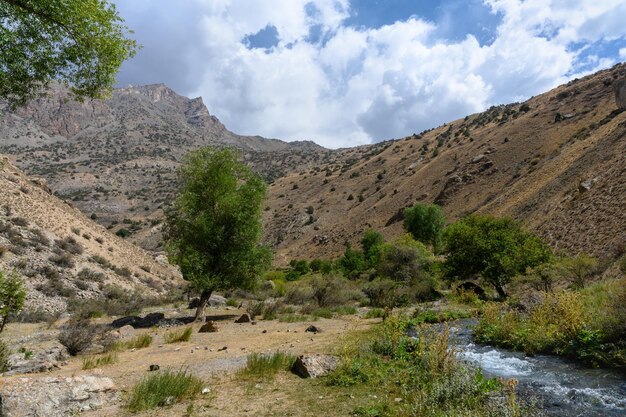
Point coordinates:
pixel 80 42
pixel 404 260
pixel 352 262
pixel 542 277
pixel 12 296
pixel 580 268
pixel 495 248
pixel 214 226
pixel 433 316
pixel 260 365
pixel 76 336
pixel 425 223
pixel 371 244
pixel 175 336
pixel 582 325
pixel 425 373
pixel 158 389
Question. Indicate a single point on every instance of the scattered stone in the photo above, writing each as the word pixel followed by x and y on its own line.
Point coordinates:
pixel 478 158
pixel 585 186
pixel 312 366
pixel 264 331
pixel 206 390
pixel 209 327
pixel 253 323
pixel 154 368
pixel 245 318
pixel 313 329
pixel 221 349
pixel 55 396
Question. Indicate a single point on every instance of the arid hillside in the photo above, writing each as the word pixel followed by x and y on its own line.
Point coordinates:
pixel 557 163
pixel 117 158
pixel 61 253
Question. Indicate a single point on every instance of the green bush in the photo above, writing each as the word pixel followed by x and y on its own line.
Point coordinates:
pixel 4 356
pixel 160 388
pixel 425 223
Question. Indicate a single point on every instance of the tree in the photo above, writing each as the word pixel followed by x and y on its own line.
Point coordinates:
pixel 495 248
pixel 79 42
pixel 213 227
pixel 425 223
pixel 404 260
pixel 12 296
pixel 371 244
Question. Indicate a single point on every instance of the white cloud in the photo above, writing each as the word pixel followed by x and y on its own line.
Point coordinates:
pixel 364 85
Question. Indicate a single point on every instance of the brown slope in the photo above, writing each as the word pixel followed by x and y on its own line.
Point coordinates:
pixel 117 158
pixel 32 220
pixel 527 163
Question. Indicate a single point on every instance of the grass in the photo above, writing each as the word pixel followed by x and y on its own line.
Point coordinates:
pixel 163 388
pixel 138 342
pixel 424 373
pixel 266 365
pixel 432 316
pixel 178 336
pixel 374 313
pixel 92 362
pixel 295 318
pixel 330 312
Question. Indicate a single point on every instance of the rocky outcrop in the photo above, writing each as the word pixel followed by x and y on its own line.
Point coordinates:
pixel 619 87
pixel 312 366
pixel 244 318
pixel 40 362
pixel 208 327
pixel 54 397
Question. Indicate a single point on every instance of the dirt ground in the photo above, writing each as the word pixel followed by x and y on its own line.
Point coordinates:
pixel 204 356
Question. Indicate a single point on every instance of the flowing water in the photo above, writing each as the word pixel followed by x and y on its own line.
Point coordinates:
pixel 564 388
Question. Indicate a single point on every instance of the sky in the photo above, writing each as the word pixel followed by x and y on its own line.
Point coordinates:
pixel 351 72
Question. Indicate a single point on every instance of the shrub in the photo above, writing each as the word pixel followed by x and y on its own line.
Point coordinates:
pixel 261 365
pixel 76 336
pixel 123 233
pixel 69 244
pixel 178 336
pixel 63 260
pixel 157 389
pixel 91 275
pixel 580 268
pixel 12 297
pixel 404 260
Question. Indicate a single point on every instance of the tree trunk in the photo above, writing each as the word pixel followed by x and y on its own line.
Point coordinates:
pixel 204 299
pixel 500 291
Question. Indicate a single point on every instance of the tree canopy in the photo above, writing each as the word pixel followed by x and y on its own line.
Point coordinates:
pixel 12 296
pixel 213 228
pixel 79 42
pixel 495 248
pixel 425 223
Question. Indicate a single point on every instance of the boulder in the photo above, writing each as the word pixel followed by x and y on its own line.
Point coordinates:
pixel 124 332
pixel 41 362
pixel 312 366
pixel 245 318
pixel 54 396
pixel 208 327
pixel 214 301
pixel 313 329
pixel 619 87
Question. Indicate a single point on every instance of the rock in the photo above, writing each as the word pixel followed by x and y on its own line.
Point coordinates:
pixel 124 332
pixel 221 349
pixel 150 320
pixel 313 329
pixel 619 87
pixel 41 362
pixel 217 301
pixel 208 327
pixel 55 396
pixel 154 368
pixel 586 185
pixel 312 366
pixel 162 259
pixel 245 318
pixel 478 158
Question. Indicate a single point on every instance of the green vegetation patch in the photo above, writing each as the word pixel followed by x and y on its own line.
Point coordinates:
pixel 164 388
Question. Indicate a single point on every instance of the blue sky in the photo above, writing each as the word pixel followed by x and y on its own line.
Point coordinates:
pixel 350 72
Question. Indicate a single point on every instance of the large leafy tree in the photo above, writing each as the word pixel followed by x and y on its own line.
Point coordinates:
pixel 79 42
pixel 495 248
pixel 425 222
pixel 213 228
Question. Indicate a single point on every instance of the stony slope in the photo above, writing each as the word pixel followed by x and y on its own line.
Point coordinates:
pixel 117 158
pixel 62 253
pixel 557 163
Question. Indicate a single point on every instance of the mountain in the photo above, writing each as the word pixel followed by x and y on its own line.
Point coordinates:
pixel 557 163
pixel 62 253
pixel 117 158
